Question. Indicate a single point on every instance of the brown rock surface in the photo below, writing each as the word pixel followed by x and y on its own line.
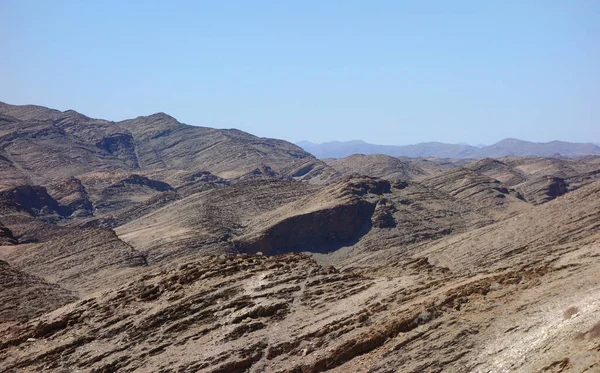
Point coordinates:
pixel 79 259
pixel 441 265
pixel 376 165
pixel 207 222
pixel 287 314
pixel 24 296
pixel 6 236
pixel 484 194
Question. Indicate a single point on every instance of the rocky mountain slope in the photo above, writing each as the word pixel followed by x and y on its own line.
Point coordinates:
pixel 151 246
pixel 483 193
pixel 35 139
pixel 376 165
pixel 81 260
pixel 288 314
pixel 208 222
pixel 25 296
pixel 536 179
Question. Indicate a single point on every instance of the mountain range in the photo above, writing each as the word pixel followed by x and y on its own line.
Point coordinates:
pixel 35 139
pixel 149 245
pixel 504 148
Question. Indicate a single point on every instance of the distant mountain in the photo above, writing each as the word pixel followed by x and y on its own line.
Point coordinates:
pixel 515 147
pixel 337 149
pixel 504 148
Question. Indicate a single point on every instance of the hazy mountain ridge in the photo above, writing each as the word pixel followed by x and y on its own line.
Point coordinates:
pixel 505 148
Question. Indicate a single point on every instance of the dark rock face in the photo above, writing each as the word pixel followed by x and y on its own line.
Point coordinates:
pixel 121 145
pixel 141 181
pixel 320 223
pixel 400 184
pixel 557 187
pixel 34 199
pixel 6 236
pixel 321 230
pixel 371 185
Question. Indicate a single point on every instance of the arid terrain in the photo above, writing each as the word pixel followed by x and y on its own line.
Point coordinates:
pixel 149 245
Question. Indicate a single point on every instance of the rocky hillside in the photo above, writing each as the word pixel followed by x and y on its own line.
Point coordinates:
pixel 376 165
pixel 6 236
pixel 536 179
pixel 34 139
pixel 477 190
pixel 287 313
pixel 81 260
pixel 25 296
pixel 148 245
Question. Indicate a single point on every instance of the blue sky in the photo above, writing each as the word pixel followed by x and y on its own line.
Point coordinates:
pixel 387 72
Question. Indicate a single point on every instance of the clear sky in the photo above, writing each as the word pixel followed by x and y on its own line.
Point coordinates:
pixel 387 72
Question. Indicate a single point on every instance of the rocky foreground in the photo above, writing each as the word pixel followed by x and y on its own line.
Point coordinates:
pixel 288 314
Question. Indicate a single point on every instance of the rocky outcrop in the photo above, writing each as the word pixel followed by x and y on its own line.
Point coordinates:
pixel 321 230
pixel 129 192
pixel 137 180
pixel 195 182
pixel 72 198
pixel 320 223
pixel 383 216
pixel 209 221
